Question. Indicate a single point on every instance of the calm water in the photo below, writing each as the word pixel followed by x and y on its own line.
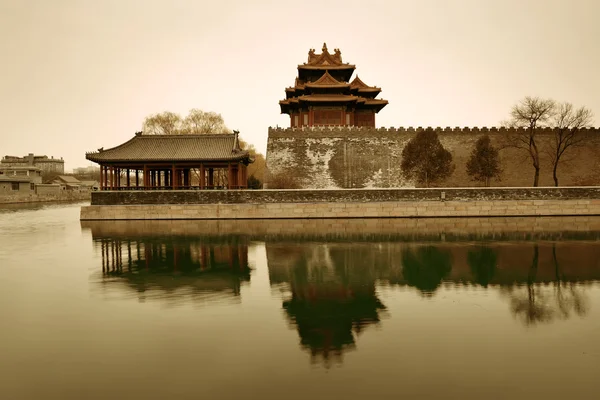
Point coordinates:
pixel 481 309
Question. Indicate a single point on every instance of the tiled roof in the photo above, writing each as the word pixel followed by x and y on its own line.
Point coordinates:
pixel 141 148
pixel 68 179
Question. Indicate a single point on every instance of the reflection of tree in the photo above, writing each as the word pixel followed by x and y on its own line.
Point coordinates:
pixel 172 268
pixel 333 297
pixel 425 268
pixel 568 297
pixel 537 306
pixel 482 262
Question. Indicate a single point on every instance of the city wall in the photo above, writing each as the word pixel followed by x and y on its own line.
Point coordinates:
pixel 361 157
pixel 357 203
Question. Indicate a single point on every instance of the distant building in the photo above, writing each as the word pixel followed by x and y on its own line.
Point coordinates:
pixel 44 163
pixel 34 174
pixel 90 185
pixel 67 182
pixel 16 185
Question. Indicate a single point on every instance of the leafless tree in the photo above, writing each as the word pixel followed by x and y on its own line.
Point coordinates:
pixel 568 124
pixel 528 116
pixel 198 122
pixel 165 123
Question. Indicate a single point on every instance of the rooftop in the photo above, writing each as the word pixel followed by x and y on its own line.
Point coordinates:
pixel 155 148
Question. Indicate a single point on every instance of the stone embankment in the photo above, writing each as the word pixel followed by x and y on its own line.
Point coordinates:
pixel 364 203
pixel 46 197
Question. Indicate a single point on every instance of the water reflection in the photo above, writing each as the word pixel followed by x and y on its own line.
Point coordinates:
pixel 173 268
pixel 332 296
pixel 534 304
pixel 332 283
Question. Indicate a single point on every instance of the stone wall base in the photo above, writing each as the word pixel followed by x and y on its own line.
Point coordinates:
pixel 404 209
pixel 64 195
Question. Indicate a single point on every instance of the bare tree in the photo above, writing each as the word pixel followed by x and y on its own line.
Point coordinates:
pixel 528 116
pixel 165 123
pixel 198 122
pixel 568 123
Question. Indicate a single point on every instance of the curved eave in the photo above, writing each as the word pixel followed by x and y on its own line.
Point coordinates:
pixel 377 105
pixel 367 90
pixel 93 157
pixel 328 99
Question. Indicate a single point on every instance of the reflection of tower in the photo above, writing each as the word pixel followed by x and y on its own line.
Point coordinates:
pixel 333 296
pixel 171 267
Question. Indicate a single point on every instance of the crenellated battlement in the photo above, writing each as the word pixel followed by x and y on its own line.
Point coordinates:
pixel 362 130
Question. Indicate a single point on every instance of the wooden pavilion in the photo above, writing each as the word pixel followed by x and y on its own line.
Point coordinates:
pixel 162 162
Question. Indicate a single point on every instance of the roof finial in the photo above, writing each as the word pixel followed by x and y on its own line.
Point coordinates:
pixel 324 46
pixel 236 142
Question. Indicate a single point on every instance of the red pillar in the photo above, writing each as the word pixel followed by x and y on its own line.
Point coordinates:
pixel 174 177
pixel 229 176
pixel 202 182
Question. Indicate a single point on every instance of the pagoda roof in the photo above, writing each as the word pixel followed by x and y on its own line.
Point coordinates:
pixel 327 81
pixel 325 60
pixel 357 83
pixel 152 148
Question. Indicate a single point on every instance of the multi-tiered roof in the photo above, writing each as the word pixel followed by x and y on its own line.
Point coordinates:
pixel 324 95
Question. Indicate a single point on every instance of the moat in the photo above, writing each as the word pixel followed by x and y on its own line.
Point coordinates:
pixel 495 308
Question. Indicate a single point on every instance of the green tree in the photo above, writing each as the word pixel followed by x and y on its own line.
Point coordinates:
pixel 425 159
pixel 568 124
pixel 527 117
pixel 484 163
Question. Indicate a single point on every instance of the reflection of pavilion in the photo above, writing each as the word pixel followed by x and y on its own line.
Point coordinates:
pixel 333 297
pixel 173 268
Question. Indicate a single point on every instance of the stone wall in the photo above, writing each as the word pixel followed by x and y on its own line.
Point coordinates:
pixel 359 157
pixel 32 197
pixel 359 229
pixel 388 209
pixel 137 197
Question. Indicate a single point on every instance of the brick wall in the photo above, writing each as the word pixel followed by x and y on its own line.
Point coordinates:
pixel 351 157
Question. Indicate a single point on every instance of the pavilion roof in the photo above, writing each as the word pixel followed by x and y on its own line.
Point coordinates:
pixel 152 148
pixel 357 83
pixel 327 81
pixel 325 60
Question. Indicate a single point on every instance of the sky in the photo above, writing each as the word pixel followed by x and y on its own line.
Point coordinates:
pixel 76 75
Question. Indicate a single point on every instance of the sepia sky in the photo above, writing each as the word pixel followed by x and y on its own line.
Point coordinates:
pixel 76 75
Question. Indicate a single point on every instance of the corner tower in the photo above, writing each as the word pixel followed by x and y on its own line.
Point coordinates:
pixel 323 94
